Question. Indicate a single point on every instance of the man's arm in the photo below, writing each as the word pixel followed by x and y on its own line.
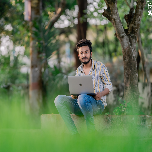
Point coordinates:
pixel 100 94
pixel 106 82
pixel 105 78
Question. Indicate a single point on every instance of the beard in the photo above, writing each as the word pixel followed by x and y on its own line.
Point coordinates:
pixel 87 61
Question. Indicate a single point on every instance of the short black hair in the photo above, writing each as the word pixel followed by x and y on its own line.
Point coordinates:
pixel 84 42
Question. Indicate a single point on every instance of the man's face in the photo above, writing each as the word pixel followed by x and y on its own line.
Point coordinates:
pixel 84 54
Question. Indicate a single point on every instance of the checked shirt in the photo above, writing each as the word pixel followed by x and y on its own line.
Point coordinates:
pixel 100 77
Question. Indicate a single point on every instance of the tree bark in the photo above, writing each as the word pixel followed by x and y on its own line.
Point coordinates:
pixel 127 38
pixel 35 90
pixel 81 27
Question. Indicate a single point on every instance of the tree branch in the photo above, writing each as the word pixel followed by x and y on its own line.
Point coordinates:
pixel 107 14
pixel 127 3
pixel 135 23
pixel 55 17
pixel 113 16
pixel 129 17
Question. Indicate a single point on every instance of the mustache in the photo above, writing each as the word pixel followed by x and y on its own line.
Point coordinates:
pixel 84 58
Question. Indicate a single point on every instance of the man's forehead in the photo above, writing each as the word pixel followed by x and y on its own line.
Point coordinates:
pixel 84 48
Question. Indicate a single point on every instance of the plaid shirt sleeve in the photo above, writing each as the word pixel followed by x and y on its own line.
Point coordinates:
pixel 105 78
pixel 76 74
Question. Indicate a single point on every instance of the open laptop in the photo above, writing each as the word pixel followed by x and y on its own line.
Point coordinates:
pixel 81 84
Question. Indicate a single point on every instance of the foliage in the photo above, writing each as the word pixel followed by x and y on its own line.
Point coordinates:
pixel 5 5
pixel 121 109
pixel 55 80
pixel 22 133
pixel 10 71
pixel 20 35
pixel 126 109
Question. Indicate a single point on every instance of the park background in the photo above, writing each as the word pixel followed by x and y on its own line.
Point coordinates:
pixel 37 53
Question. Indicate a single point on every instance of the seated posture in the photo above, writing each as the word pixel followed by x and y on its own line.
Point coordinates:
pixel 85 104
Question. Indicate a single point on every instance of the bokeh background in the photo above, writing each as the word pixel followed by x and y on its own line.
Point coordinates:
pixel 43 38
pixel 56 42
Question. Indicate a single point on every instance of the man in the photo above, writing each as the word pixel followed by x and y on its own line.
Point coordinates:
pixel 85 104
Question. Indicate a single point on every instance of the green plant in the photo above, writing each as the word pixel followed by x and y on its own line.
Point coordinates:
pixel 120 109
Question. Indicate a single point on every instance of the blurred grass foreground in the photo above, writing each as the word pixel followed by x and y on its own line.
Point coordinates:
pixel 19 132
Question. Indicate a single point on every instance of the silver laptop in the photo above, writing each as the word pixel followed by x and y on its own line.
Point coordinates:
pixel 80 84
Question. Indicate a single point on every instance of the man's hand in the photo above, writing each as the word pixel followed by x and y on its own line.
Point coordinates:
pixel 74 97
pixel 98 96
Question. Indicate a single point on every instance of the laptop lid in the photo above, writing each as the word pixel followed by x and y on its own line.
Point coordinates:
pixel 81 84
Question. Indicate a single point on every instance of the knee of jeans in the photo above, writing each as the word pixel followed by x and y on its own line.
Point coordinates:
pixel 59 99
pixel 82 100
pixel 82 96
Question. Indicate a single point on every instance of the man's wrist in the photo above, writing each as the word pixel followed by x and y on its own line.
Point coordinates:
pixel 101 94
pixel 104 92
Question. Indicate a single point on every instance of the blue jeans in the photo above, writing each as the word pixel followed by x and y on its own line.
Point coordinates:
pixel 85 105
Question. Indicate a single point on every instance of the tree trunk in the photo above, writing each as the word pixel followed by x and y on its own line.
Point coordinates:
pixel 127 38
pixel 130 70
pixel 35 91
pixel 81 27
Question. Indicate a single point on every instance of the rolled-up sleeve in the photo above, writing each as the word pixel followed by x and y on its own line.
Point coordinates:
pixel 106 78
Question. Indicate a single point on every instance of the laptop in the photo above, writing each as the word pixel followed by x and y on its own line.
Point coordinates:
pixel 81 85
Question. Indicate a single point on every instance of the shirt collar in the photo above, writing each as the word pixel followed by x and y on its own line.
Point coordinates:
pixel 93 65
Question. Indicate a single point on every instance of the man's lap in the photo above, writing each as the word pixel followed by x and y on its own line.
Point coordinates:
pixel 74 107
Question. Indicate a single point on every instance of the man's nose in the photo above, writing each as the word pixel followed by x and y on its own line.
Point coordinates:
pixel 83 55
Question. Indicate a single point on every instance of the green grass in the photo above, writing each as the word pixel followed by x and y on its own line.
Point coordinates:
pixel 19 133
pixel 45 140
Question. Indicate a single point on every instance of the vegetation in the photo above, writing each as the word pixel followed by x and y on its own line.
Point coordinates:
pixel 106 48
pixel 20 132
